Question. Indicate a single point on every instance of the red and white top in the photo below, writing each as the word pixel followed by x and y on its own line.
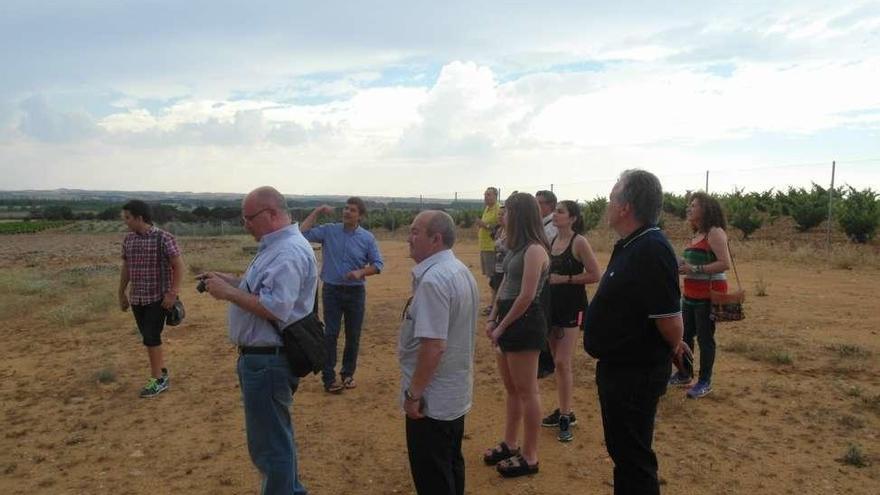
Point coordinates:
pixel 141 254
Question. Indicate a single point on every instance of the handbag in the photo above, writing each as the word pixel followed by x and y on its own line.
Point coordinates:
pixel 304 345
pixel 727 306
pixel 175 315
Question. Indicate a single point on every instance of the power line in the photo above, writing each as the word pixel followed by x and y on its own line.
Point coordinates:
pixel 463 195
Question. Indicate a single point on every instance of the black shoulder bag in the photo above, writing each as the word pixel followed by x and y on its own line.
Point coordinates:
pixel 304 345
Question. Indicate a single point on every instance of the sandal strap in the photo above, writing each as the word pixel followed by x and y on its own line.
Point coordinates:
pixel 500 452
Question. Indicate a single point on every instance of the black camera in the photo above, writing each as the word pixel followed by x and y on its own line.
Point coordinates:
pixel 202 287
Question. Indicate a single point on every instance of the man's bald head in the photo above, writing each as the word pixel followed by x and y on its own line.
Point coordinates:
pixel 264 210
pixel 268 197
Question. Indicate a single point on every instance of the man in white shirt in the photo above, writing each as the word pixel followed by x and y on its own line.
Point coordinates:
pixel 436 352
pixel 547 204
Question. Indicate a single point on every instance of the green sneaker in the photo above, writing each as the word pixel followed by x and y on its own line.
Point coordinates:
pixel 154 387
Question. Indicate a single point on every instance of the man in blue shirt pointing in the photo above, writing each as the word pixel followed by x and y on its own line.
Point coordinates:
pixel 350 255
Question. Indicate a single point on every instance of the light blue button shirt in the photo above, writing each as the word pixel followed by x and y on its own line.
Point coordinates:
pixel 344 251
pixel 444 306
pixel 284 274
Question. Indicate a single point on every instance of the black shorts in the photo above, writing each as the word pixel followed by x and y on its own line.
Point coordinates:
pixel 568 305
pixel 527 333
pixel 495 280
pixel 150 320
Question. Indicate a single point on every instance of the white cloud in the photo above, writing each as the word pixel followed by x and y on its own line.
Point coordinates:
pixel 40 121
pixel 469 91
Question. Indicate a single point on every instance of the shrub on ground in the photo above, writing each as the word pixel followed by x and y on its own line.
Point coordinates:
pixel 859 214
pixel 675 204
pixel 593 211
pixel 807 208
pixel 742 212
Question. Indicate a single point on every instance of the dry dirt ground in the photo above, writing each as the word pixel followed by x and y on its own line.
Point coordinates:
pixel 796 401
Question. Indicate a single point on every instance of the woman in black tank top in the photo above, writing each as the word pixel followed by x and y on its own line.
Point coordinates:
pixel 572 265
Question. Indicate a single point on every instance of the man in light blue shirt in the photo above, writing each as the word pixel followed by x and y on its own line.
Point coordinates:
pixel 277 289
pixel 436 352
pixel 350 255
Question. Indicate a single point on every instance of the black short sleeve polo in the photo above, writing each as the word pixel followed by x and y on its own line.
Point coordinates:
pixel 639 286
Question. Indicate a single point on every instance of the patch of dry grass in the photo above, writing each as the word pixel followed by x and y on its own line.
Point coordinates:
pixel 760 352
pixel 844 256
pixel 849 351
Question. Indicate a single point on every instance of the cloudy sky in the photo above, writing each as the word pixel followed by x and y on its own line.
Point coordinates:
pixel 434 98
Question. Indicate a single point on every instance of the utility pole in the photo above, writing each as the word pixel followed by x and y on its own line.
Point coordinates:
pixel 830 200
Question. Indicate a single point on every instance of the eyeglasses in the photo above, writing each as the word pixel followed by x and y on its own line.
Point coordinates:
pixel 250 218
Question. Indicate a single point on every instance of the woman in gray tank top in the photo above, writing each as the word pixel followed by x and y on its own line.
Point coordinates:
pixel 517 327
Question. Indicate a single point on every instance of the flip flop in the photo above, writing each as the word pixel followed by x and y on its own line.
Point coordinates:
pixel 348 382
pixel 333 388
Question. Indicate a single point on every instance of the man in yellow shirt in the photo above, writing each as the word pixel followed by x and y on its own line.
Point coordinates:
pixel 486 225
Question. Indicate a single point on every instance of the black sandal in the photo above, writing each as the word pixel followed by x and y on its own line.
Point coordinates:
pixel 516 466
pixel 499 453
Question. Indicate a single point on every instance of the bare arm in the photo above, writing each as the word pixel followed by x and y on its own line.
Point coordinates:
pixel 717 239
pixel 430 353
pixel 718 242
pixel 583 252
pixel 123 285
pixel 176 278
pixel 534 262
pixel 309 221
pixel 361 273
pixel 177 268
pixel 219 288
pixel 226 277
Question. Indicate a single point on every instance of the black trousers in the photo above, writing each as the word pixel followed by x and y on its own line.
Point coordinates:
pixel 628 396
pixel 435 459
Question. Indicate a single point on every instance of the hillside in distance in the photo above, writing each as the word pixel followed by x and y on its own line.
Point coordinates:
pixel 188 197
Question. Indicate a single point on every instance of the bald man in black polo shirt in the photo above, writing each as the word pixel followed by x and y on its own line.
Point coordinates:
pixel 634 329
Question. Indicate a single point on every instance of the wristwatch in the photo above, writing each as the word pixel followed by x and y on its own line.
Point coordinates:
pixel 410 397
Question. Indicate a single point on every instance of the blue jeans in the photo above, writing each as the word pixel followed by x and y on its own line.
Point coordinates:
pixel 267 388
pixel 342 301
pixel 698 324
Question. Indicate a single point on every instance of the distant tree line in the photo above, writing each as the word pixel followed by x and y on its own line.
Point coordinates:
pixel 857 212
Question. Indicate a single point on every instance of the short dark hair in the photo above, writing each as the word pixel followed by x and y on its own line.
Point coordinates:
pixel 361 206
pixel 574 211
pixel 713 214
pixel 642 190
pixel 548 196
pixel 138 208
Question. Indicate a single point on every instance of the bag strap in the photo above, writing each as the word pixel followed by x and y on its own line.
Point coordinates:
pixel 159 259
pixel 275 323
pixel 733 262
